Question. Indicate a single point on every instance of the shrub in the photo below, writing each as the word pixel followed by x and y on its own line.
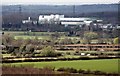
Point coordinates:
pixel 50 68
pixel 67 53
pixel 61 69
pixel 87 72
pixel 59 54
pixel 77 53
pixel 113 74
pixel 99 73
pixel 70 70
pixel 81 71
pixel 48 52
pixel 116 40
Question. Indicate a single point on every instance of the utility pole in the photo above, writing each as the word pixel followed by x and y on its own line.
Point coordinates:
pixel 74 10
pixel 20 15
pixel 20 9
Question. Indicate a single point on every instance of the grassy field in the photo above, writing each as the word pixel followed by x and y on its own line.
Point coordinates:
pixel 6 55
pixel 41 37
pixel 107 65
pixel 31 37
pixel 29 33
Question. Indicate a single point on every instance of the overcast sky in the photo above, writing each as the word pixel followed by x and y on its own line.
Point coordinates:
pixel 58 2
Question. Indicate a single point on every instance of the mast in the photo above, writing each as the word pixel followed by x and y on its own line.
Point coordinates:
pixel 74 10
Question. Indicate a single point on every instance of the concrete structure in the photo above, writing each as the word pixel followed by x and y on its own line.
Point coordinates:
pixel 27 21
pixel 49 19
pixel 61 19
pixel 72 21
pixel 77 21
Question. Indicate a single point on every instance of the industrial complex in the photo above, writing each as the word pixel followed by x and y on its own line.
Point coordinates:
pixel 61 19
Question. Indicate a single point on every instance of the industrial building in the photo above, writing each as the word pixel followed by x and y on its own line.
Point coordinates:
pixel 60 19
pixel 93 23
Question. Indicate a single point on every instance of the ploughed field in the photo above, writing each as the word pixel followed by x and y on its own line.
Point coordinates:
pixel 105 65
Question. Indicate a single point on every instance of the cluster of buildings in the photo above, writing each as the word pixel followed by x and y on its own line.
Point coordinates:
pixel 60 19
pixel 67 21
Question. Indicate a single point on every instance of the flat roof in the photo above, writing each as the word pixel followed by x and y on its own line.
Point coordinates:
pixel 75 19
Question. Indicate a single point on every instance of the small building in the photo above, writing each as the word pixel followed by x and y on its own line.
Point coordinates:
pixel 29 21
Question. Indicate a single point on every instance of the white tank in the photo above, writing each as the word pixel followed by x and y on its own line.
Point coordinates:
pixel 29 18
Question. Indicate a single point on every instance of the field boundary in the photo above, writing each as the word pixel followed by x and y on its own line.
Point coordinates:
pixel 52 59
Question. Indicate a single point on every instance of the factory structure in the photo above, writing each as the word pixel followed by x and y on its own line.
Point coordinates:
pixel 61 19
pixel 67 21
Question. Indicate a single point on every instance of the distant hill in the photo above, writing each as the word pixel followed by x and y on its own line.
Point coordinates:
pixel 12 15
pixel 107 12
pixel 60 9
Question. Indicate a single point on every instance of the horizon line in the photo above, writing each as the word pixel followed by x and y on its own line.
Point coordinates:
pixel 61 4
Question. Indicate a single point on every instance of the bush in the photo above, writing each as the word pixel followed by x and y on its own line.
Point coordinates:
pixel 77 53
pixel 61 69
pixel 87 72
pixel 59 54
pixel 50 68
pixel 99 73
pixel 70 70
pixel 116 40
pixel 81 71
pixel 67 53
pixel 113 74
pixel 48 52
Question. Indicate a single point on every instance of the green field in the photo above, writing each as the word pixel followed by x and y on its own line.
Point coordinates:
pixel 27 33
pixel 107 65
pixel 6 55
pixel 31 37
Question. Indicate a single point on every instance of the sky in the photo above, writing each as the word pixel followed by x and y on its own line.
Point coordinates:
pixel 58 2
